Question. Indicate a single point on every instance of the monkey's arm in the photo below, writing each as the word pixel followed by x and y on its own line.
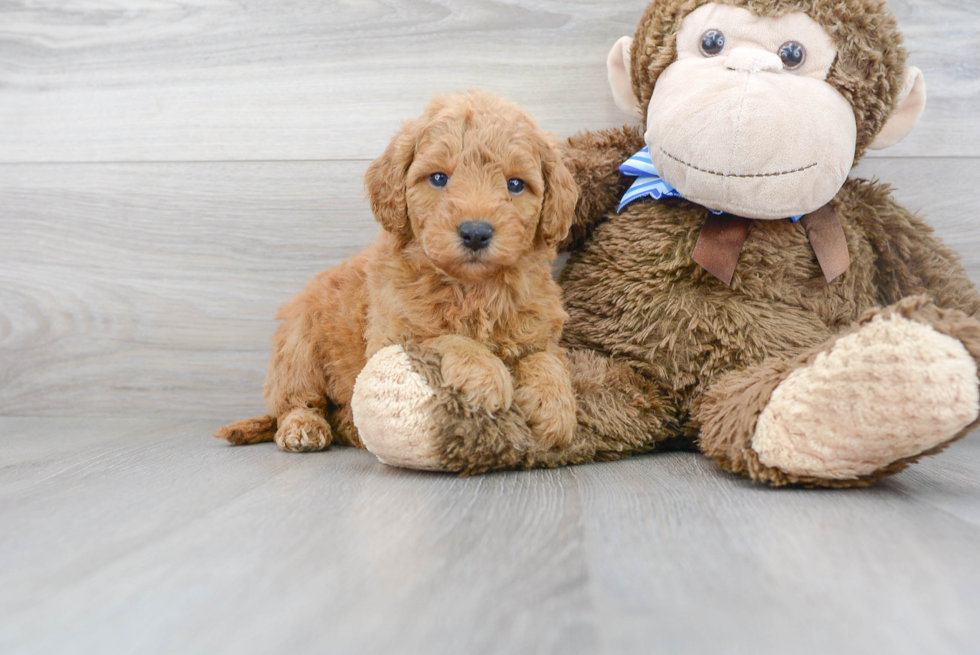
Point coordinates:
pixel 593 159
pixel 911 260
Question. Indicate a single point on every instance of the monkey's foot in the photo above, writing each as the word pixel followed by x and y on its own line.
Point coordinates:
pixel 900 385
pixel 408 416
pixel 392 406
pixel 303 430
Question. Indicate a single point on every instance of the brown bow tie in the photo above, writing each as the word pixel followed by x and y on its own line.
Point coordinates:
pixel 722 238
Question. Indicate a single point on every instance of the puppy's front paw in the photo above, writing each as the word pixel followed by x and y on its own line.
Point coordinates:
pixel 544 392
pixel 482 379
pixel 303 430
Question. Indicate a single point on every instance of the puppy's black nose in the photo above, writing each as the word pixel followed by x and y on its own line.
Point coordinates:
pixel 476 235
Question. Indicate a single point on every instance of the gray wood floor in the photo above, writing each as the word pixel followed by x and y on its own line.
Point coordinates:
pixel 143 536
pixel 170 172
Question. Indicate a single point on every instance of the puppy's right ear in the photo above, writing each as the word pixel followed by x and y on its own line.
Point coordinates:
pixel 385 182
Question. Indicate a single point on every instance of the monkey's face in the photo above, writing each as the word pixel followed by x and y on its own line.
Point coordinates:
pixel 744 120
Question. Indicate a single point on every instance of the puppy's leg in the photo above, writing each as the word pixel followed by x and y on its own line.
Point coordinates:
pixel 471 369
pixel 296 386
pixel 543 390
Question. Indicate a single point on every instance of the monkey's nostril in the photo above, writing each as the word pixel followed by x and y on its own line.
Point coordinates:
pixel 475 235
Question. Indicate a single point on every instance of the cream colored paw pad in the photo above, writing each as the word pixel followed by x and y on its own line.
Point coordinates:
pixel 891 390
pixel 391 411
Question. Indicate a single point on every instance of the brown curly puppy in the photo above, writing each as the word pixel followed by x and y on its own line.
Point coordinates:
pixel 473 199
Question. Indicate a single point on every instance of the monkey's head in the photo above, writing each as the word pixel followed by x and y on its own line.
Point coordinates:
pixel 761 108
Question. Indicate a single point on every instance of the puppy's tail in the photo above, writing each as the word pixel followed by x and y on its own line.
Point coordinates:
pixel 250 430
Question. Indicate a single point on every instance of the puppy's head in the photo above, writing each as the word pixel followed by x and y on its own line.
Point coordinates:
pixel 474 183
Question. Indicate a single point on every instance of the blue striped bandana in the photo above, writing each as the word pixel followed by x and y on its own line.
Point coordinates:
pixel 649 183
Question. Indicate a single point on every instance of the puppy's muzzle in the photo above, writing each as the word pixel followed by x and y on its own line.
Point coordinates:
pixel 475 235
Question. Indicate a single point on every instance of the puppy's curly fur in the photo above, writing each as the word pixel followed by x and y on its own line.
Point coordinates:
pixel 494 315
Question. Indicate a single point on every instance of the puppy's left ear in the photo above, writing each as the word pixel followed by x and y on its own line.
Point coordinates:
pixel 560 196
pixel 385 181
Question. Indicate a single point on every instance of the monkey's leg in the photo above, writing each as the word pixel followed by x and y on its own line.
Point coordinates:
pixel 899 385
pixel 407 417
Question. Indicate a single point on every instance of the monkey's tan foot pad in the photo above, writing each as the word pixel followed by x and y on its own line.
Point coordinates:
pixel 392 407
pixel 891 390
pixel 303 431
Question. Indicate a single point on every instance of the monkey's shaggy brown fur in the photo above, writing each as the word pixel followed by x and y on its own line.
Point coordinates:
pixel 662 352
pixel 651 335
pixel 488 312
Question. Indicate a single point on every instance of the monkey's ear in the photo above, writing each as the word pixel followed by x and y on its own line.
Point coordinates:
pixel 618 65
pixel 385 182
pixel 911 103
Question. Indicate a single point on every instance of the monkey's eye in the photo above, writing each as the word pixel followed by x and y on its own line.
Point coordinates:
pixel 793 54
pixel 515 186
pixel 712 43
pixel 438 180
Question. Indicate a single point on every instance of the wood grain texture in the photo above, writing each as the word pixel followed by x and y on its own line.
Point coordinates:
pixel 135 289
pixel 129 289
pixel 208 80
pixel 147 536
pixel 159 539
pixel 693 560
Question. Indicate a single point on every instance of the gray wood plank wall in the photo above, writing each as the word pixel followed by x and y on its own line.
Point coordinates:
pixel 171 172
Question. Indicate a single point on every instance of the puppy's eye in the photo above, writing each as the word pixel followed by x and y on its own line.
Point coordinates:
pixel 515 186
pixel 793 54
pixel 712 43
pixel 438 180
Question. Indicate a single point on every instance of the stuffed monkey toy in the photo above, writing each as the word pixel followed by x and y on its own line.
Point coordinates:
pixel 729 287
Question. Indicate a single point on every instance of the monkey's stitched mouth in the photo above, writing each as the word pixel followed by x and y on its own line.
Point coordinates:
pixel 709 172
